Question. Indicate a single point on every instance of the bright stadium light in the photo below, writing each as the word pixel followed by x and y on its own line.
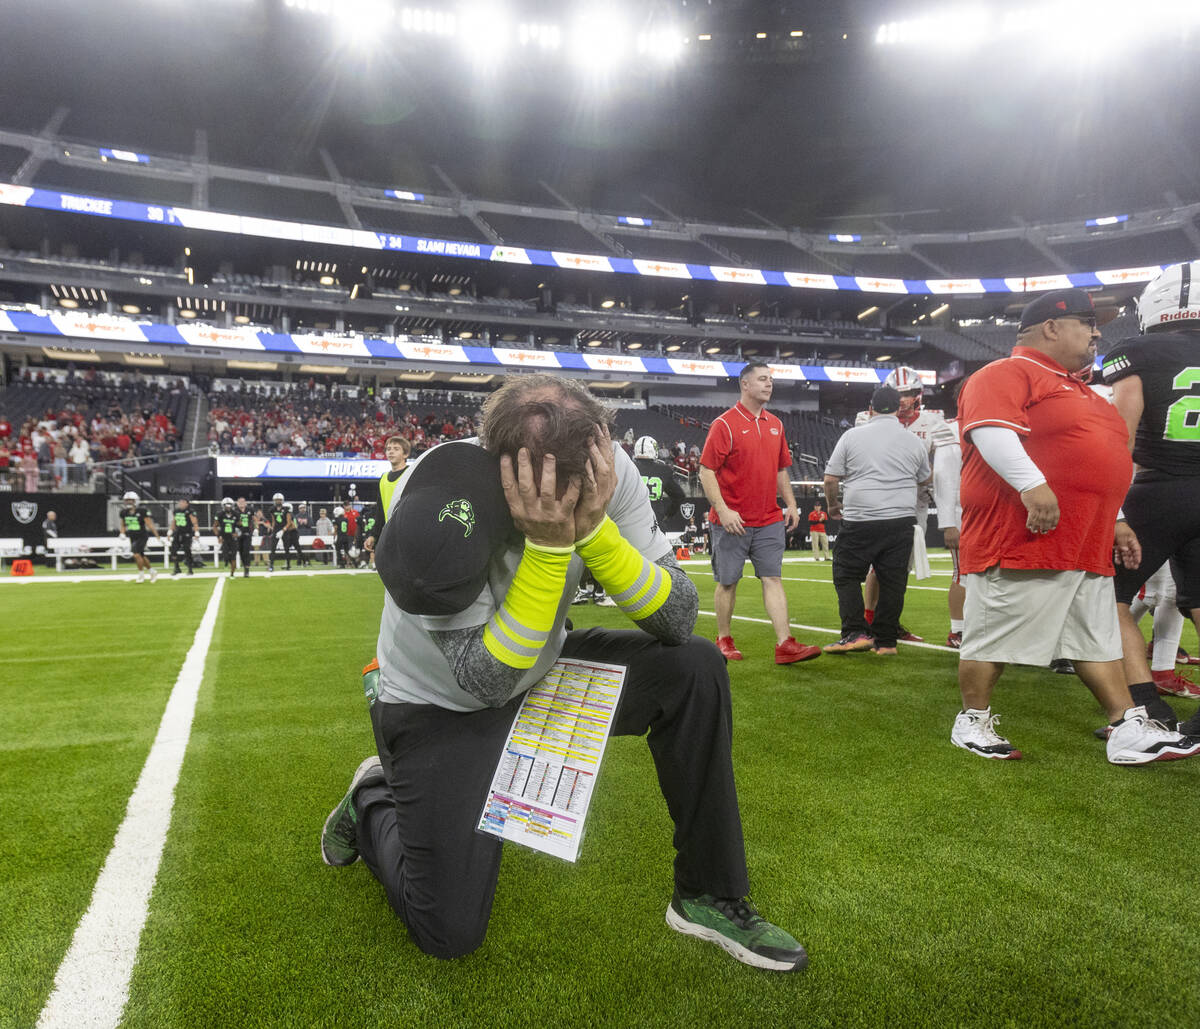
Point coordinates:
pixel 665 43
pixel 484 32
pixel 545 37
pixel 599 40
pixel 1107 22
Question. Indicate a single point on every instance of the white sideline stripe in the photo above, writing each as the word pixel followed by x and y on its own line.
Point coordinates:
pixel 70 577
pixel 793 578
pixel 822 628
pixel 92 983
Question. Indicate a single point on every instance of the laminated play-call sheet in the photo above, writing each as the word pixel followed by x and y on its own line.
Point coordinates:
pixel 544 781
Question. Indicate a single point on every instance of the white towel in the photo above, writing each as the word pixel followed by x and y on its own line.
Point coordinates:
pixel 920 557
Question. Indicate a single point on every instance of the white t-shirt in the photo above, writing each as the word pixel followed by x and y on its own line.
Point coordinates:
pixel 412 670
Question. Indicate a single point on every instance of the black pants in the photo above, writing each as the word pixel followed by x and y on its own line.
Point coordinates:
pixel 341 551
pixel 181 547
pixel 1165 514
pixel 417 833
pixel 886 546
pixel 291 541
pixel 244 544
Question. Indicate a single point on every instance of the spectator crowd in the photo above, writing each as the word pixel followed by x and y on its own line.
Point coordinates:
pixel 66 425
pixel 307 421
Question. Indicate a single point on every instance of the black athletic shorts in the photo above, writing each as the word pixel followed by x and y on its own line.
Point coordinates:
pixel 137 542
pixel 1165 514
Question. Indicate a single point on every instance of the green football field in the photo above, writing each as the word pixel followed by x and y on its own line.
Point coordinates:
pixel 931 887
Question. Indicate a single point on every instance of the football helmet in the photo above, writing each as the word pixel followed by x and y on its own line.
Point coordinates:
pixel 646 446
pixel 1172 297
pixel 130 495
pixel 277 498
pixel 905 380
pixel 227 501
pixel 338 511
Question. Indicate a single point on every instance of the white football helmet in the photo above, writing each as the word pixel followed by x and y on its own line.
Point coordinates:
pixel 646 446
pixel 1172 297
pixel 277 498
pixel 227 502
pixel 904 380
pixel 129 495
pixel 338 511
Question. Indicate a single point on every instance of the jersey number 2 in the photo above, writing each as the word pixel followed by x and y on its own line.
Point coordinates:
pixel 1183 416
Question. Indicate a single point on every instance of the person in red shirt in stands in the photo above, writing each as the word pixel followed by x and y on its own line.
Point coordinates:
pixel 818 537
pixel 1045 468
pixel 744 469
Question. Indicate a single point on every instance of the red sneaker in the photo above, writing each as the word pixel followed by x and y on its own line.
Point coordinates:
pixel 789 651
pixel 727 647
pixel 1171 683
pixel 909 637
pixel 954 640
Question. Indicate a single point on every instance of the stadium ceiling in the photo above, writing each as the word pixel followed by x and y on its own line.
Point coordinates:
pixel 827 131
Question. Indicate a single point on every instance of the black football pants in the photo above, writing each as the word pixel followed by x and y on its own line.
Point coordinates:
pixel 887 546
pixel 417 833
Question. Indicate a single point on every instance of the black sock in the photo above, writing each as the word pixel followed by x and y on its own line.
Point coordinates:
pixel 1145 695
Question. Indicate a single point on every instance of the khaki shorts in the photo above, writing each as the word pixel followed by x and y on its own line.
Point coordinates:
pixel 1020 617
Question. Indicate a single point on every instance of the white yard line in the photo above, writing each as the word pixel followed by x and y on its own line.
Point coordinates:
pixel 825 629
pixel 255 573
pixel 828 582
pixel 92 984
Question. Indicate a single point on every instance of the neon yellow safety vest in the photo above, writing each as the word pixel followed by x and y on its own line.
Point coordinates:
pixel 386 488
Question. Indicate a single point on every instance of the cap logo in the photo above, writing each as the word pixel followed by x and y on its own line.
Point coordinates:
pixel 462 512
pixel 1061 305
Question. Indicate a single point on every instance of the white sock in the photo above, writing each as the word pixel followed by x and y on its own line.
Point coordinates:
pixel 1138 607
pixel 956 625
pixel 1168 628
pixel 984 713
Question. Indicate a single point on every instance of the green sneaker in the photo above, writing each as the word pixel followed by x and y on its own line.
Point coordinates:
pixel 339 838
pixel 736 926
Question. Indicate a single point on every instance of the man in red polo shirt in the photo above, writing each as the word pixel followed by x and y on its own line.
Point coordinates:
pixel 744 470
pixel 1045 467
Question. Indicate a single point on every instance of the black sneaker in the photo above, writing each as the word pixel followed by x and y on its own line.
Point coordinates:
pixel 1062 666
pixel 1191 727
pixel 735 926
pixel 339 838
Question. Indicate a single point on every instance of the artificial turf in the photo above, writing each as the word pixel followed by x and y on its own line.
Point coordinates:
pixel 930 886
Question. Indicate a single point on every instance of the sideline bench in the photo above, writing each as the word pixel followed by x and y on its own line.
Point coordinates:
pixel 114 547
pixel 12 549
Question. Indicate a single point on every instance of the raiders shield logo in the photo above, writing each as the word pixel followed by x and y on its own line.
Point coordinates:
pixel 687 510
pixel 24 511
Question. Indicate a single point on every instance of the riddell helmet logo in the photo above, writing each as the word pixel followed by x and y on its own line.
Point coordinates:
pixel 462 512
pixel 1179 316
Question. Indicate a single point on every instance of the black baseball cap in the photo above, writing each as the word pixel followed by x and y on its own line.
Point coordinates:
pixel 885 400
pixel 1059 303
pixel 438 541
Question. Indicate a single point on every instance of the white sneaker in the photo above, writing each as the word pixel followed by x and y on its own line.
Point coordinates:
pixel 153 575
pixel 141 577
pixel 1139 739
pixel 976 731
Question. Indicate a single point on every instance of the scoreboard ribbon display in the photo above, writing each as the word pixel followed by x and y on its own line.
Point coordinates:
pixel 83 325
pixel 365 239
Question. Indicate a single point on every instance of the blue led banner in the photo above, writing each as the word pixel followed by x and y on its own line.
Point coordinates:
pixel 89 325
pixel 332 235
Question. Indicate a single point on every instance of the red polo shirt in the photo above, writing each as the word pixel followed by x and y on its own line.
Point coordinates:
pixel 747 454
pixel 1078 441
